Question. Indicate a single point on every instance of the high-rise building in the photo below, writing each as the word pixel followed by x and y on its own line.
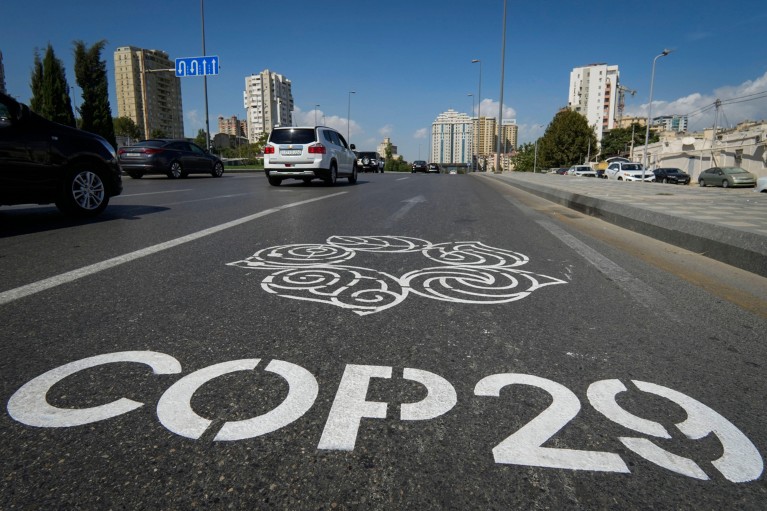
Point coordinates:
pixel 594 93
pixel 2 74
pixel 232 126
pixel 451 138
pixel 148 91
pixel 509 134
pixel 268 101
pixel 484 129
pixel 671 122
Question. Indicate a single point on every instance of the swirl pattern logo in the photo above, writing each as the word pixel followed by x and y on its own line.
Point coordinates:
pixel 467 272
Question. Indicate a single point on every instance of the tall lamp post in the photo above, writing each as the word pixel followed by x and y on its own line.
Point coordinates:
pixel 649 111
pixel 479 105
pixel 349 115
pixel 535 157
pixel 472 129
pixel 205 79
pixel 498 168
pixel 316 107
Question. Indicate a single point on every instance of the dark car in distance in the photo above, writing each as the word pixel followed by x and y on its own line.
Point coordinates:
pixel 671 175
pixel 174 158
pixel 419 166
pixel 43 162
pixel 369 161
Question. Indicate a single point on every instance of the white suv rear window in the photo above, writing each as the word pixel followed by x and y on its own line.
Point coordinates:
pixel 292 136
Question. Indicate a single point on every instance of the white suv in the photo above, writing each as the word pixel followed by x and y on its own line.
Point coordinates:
pixel 582 171
pixel 628 171
pixel 308 153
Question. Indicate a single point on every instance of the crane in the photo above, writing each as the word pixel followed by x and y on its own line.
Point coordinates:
pixel 622 90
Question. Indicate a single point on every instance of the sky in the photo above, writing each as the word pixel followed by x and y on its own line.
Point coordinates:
pixel 409 61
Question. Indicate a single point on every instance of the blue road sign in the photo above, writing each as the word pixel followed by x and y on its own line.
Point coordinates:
pixel 197 66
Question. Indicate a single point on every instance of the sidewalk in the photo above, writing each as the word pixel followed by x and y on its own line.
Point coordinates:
pixel 729 225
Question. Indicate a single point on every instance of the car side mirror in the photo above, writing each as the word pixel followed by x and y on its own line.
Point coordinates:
pixel 353 147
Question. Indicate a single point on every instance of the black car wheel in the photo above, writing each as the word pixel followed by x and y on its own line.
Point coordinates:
pixel 218 169
pixel 725 184
pixel 701 183
pixel 274 181
pixel 84 194
pixel 353 177
pixel 175 170
pixel 136 175
pixel 330 181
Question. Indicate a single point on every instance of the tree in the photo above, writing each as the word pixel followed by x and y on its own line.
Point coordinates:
pixel 50 90
pixel 201 139
pixel 157 133
pixel 125 127
pixel 91 75
pixel 524 158
pixel 566 141
pixel 617 142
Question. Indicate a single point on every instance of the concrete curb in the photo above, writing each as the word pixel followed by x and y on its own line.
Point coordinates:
pixel 742 249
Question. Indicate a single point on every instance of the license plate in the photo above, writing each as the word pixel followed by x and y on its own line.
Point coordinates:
pixel 131 155
pixel 291 152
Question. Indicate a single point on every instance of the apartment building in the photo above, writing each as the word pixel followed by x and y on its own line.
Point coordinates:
pixel 383 145
pixel 671 123
pixel 232 126
pixel 451 138
pixel 268 102
pixel 484 133
pixel 148 91
pixel 509 133
pixel 594 94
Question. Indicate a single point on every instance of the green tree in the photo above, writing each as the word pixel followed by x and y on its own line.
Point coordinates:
pixel 201 139
pixel 524 158
pixel 50 90
pixel 125 127
pixel 91 75
pixel 617 142
pixel 158 133
pixel 566 141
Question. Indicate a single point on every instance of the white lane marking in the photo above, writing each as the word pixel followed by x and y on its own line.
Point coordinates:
pixel 42 285
pixel 402 178
pixel 204 199
pixel 401 212
pixel 641 292
pixel 152 193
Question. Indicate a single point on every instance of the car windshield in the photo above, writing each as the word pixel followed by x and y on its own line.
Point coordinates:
pixel 292 136
pixel 733 170
pixel 673 171
pixel 632 166
pixel 366 155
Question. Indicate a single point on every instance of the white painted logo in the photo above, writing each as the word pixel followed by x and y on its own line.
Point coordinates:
pixel 739 462
pixel 468 272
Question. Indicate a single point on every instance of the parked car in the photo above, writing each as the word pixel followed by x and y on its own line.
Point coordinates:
pixel 581 171
pixel 433 168
pixel 369 161
pixel 174 158
pixel 419 166
pixel 307 153
pixel 761 184
pixel 561 171
pixel 43 162
pixel 671 175
pixel 628 171
pixel 726 177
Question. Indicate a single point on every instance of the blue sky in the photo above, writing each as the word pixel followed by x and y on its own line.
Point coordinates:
pixel 408 61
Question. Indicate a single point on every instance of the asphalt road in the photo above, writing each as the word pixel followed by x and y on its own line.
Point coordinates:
pixel 408 342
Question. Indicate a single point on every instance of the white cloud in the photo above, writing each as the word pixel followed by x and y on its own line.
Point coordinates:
pixel 301 118
pixel 736 106
pixel 386 130
pixel 421 133
pixel 490 109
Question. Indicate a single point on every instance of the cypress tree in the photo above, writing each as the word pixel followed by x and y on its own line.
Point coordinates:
pixel 91 75
pixel 50 89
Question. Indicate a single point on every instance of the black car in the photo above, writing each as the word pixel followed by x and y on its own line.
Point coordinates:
pixel 419 166
pixel 434 168
pixel 369 161
pixel 43 162
pixel 671 175
pixel 174 158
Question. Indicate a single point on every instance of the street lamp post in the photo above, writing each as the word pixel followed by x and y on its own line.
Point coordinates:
pixel 535 157
pixel 500 101
pixel 316 107
pixel 472 129
pixel 479 105
pixel 205 79
pixel 649 111
pixel 349 115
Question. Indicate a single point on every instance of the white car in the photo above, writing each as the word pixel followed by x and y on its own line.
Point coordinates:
pixel 582 171
pixel 629 171
pixel 307 153
pixel 761 184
